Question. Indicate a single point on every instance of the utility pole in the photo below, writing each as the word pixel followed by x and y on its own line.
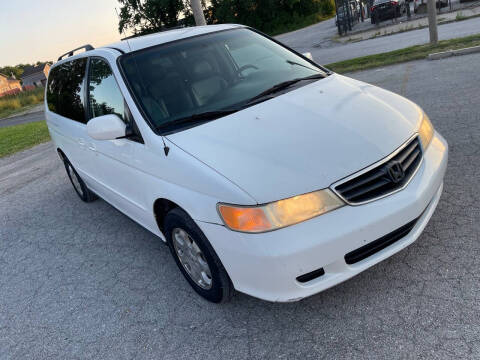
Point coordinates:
pixel 198 12
pixel 432 21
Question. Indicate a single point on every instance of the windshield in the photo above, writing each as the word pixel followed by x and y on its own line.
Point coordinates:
pixel 208 74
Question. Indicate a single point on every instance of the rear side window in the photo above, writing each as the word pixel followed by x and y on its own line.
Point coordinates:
pixel 104 94
pixel 65 90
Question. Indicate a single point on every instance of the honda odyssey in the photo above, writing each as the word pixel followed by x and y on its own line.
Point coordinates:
pixel 263 171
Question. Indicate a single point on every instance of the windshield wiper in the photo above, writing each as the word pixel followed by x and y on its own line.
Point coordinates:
pixel 200 117
pixel 291 62
pixel 281 86
pixel 212 115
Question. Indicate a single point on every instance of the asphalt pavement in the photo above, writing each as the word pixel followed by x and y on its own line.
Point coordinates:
pixel 83 281
pixel 317 40
pixel 35 114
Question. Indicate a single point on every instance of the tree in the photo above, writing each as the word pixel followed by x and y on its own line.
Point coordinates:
pixel 147 16
pixel 9 70
pixel 268 15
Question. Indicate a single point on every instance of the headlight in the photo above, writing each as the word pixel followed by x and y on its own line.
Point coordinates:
pixel 278 214
pixel 425 131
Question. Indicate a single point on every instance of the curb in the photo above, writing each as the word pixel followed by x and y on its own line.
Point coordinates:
pixel 448 53
pixel 419 27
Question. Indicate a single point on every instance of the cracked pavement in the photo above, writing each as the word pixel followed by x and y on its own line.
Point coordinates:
pixel 83 281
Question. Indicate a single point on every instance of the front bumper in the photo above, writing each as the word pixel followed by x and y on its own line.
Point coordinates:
pixel 266 265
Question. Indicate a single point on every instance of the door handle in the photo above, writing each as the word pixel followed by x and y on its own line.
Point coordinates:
pixel 92 147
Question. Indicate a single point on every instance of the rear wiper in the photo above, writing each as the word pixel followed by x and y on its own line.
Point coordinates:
pixel 281 86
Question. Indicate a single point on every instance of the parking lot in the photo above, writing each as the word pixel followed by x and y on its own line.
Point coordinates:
pixel 83 281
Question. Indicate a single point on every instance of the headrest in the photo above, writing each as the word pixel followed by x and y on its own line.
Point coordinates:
pixel 202 68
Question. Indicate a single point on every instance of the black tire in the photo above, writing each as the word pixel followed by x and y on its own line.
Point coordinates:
pixel 221 288
pixel 83 192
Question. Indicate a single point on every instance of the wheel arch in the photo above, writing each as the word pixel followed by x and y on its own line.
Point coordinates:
pixel 161 207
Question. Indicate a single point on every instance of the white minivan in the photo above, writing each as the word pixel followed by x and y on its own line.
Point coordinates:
pixel 262 170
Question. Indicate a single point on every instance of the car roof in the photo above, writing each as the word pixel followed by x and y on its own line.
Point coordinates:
pixel 141 42
pixel 145 41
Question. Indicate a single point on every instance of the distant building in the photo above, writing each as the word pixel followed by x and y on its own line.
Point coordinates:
pixel 34 76
pixel 9 85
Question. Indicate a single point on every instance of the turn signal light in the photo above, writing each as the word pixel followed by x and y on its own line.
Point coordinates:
pixel 425 131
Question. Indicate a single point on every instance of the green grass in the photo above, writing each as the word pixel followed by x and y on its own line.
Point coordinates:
pixel 11 104
pixel 9 112
pixel 460 16
pixel 402 55
pixel 20 137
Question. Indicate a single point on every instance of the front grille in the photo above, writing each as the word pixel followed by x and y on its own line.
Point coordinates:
pixel 379 244
pixel 382 179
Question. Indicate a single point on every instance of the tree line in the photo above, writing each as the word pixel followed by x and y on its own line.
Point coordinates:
pixel 270 16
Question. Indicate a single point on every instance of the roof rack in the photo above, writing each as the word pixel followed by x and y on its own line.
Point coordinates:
pixel 87 47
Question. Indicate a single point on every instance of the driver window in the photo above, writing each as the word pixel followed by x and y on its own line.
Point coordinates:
pixel 104 94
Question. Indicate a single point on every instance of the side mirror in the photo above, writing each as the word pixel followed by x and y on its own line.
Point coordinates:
pixel 308 55
pixel 106 127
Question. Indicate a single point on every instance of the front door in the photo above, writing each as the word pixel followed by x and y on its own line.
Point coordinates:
pixel 117 163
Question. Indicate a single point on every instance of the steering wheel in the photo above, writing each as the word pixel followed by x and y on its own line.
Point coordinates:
pixel 245 67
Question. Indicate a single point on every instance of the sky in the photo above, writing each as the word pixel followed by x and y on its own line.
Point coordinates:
pixel 42 30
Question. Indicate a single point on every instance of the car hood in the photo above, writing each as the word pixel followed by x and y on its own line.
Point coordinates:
pixel 303 140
